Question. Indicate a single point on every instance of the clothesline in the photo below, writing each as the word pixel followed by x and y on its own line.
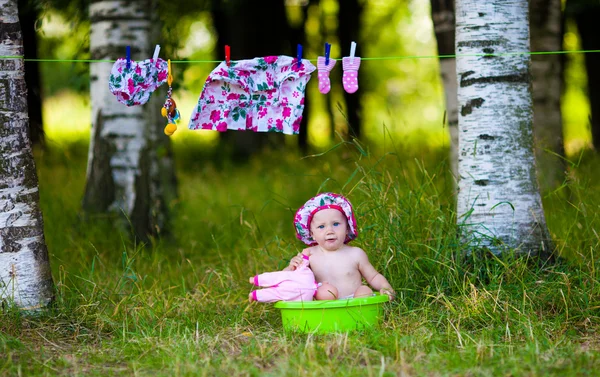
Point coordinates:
pixel 403 57
pixel 264 94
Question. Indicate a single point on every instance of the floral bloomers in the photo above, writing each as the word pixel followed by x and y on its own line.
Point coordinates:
pixel 133 86
pixel 260 95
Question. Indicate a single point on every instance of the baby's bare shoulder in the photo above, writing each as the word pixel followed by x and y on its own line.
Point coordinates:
pixel 355 252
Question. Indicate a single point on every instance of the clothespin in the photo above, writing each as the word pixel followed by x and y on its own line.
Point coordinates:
pixel 228 55
pixel 156 52
pixel 352 50
pixel 128 56
pixel 299 55
pixel 327 50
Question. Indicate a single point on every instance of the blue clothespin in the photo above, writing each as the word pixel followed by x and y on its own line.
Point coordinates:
pixel 299 55
pixel 327 50
pixel 128 54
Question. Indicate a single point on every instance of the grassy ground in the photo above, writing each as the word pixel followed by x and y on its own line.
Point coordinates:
pixel 178 307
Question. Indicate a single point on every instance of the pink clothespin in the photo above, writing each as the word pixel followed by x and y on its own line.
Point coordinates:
pixel 228 55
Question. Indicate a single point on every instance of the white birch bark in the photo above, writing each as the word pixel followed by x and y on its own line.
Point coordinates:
pixel 499 206
pixel 25 276
pixel 122 162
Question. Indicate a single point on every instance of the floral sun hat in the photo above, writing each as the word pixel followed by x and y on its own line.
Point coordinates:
pixel 326 200
pixel 134 85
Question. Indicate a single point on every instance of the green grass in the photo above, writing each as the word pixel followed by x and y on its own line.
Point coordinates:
pixel 178 307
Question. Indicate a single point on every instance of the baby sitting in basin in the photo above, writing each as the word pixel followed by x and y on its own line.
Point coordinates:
pixel 326 223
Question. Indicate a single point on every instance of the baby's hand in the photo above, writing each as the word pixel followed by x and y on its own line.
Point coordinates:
pixel 388 291
pixel 295 262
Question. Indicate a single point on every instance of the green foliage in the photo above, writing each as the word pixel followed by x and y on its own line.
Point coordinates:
pixel 64 37
pixel 178 306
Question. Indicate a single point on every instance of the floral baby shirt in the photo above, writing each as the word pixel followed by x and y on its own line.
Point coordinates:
pixel 260 94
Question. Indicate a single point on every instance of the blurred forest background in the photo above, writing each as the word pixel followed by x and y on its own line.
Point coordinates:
pixel 399 107
pixel 400 95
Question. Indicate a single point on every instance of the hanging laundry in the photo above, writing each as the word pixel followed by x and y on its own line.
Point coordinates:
pixel 324 65
pixel 133 85
pixel 350 65
pixel 323 74
pixel 260 95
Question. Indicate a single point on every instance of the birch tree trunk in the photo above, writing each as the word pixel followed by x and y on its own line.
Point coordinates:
pixel 499 206
pixel 442 14
pixel 125 174
pixel 546 35
pixel 25 277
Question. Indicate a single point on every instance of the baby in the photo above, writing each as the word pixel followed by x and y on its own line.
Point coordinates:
pixel 326 223
pixel 296 285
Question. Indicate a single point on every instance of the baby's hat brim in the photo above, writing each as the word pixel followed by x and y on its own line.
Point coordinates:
pixel 322 201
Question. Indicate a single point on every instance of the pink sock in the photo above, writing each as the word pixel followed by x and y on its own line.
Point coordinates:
pixel 350 77
pixel 324 83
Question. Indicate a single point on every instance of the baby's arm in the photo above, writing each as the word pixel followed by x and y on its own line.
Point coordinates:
pixel 376 280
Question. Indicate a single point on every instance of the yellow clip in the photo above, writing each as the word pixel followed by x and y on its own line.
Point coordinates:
pixel 169 76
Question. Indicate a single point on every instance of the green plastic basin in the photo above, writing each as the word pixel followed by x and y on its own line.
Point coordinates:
pixel 332 315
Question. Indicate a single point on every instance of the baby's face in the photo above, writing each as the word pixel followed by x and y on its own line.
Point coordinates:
pixel 329 228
